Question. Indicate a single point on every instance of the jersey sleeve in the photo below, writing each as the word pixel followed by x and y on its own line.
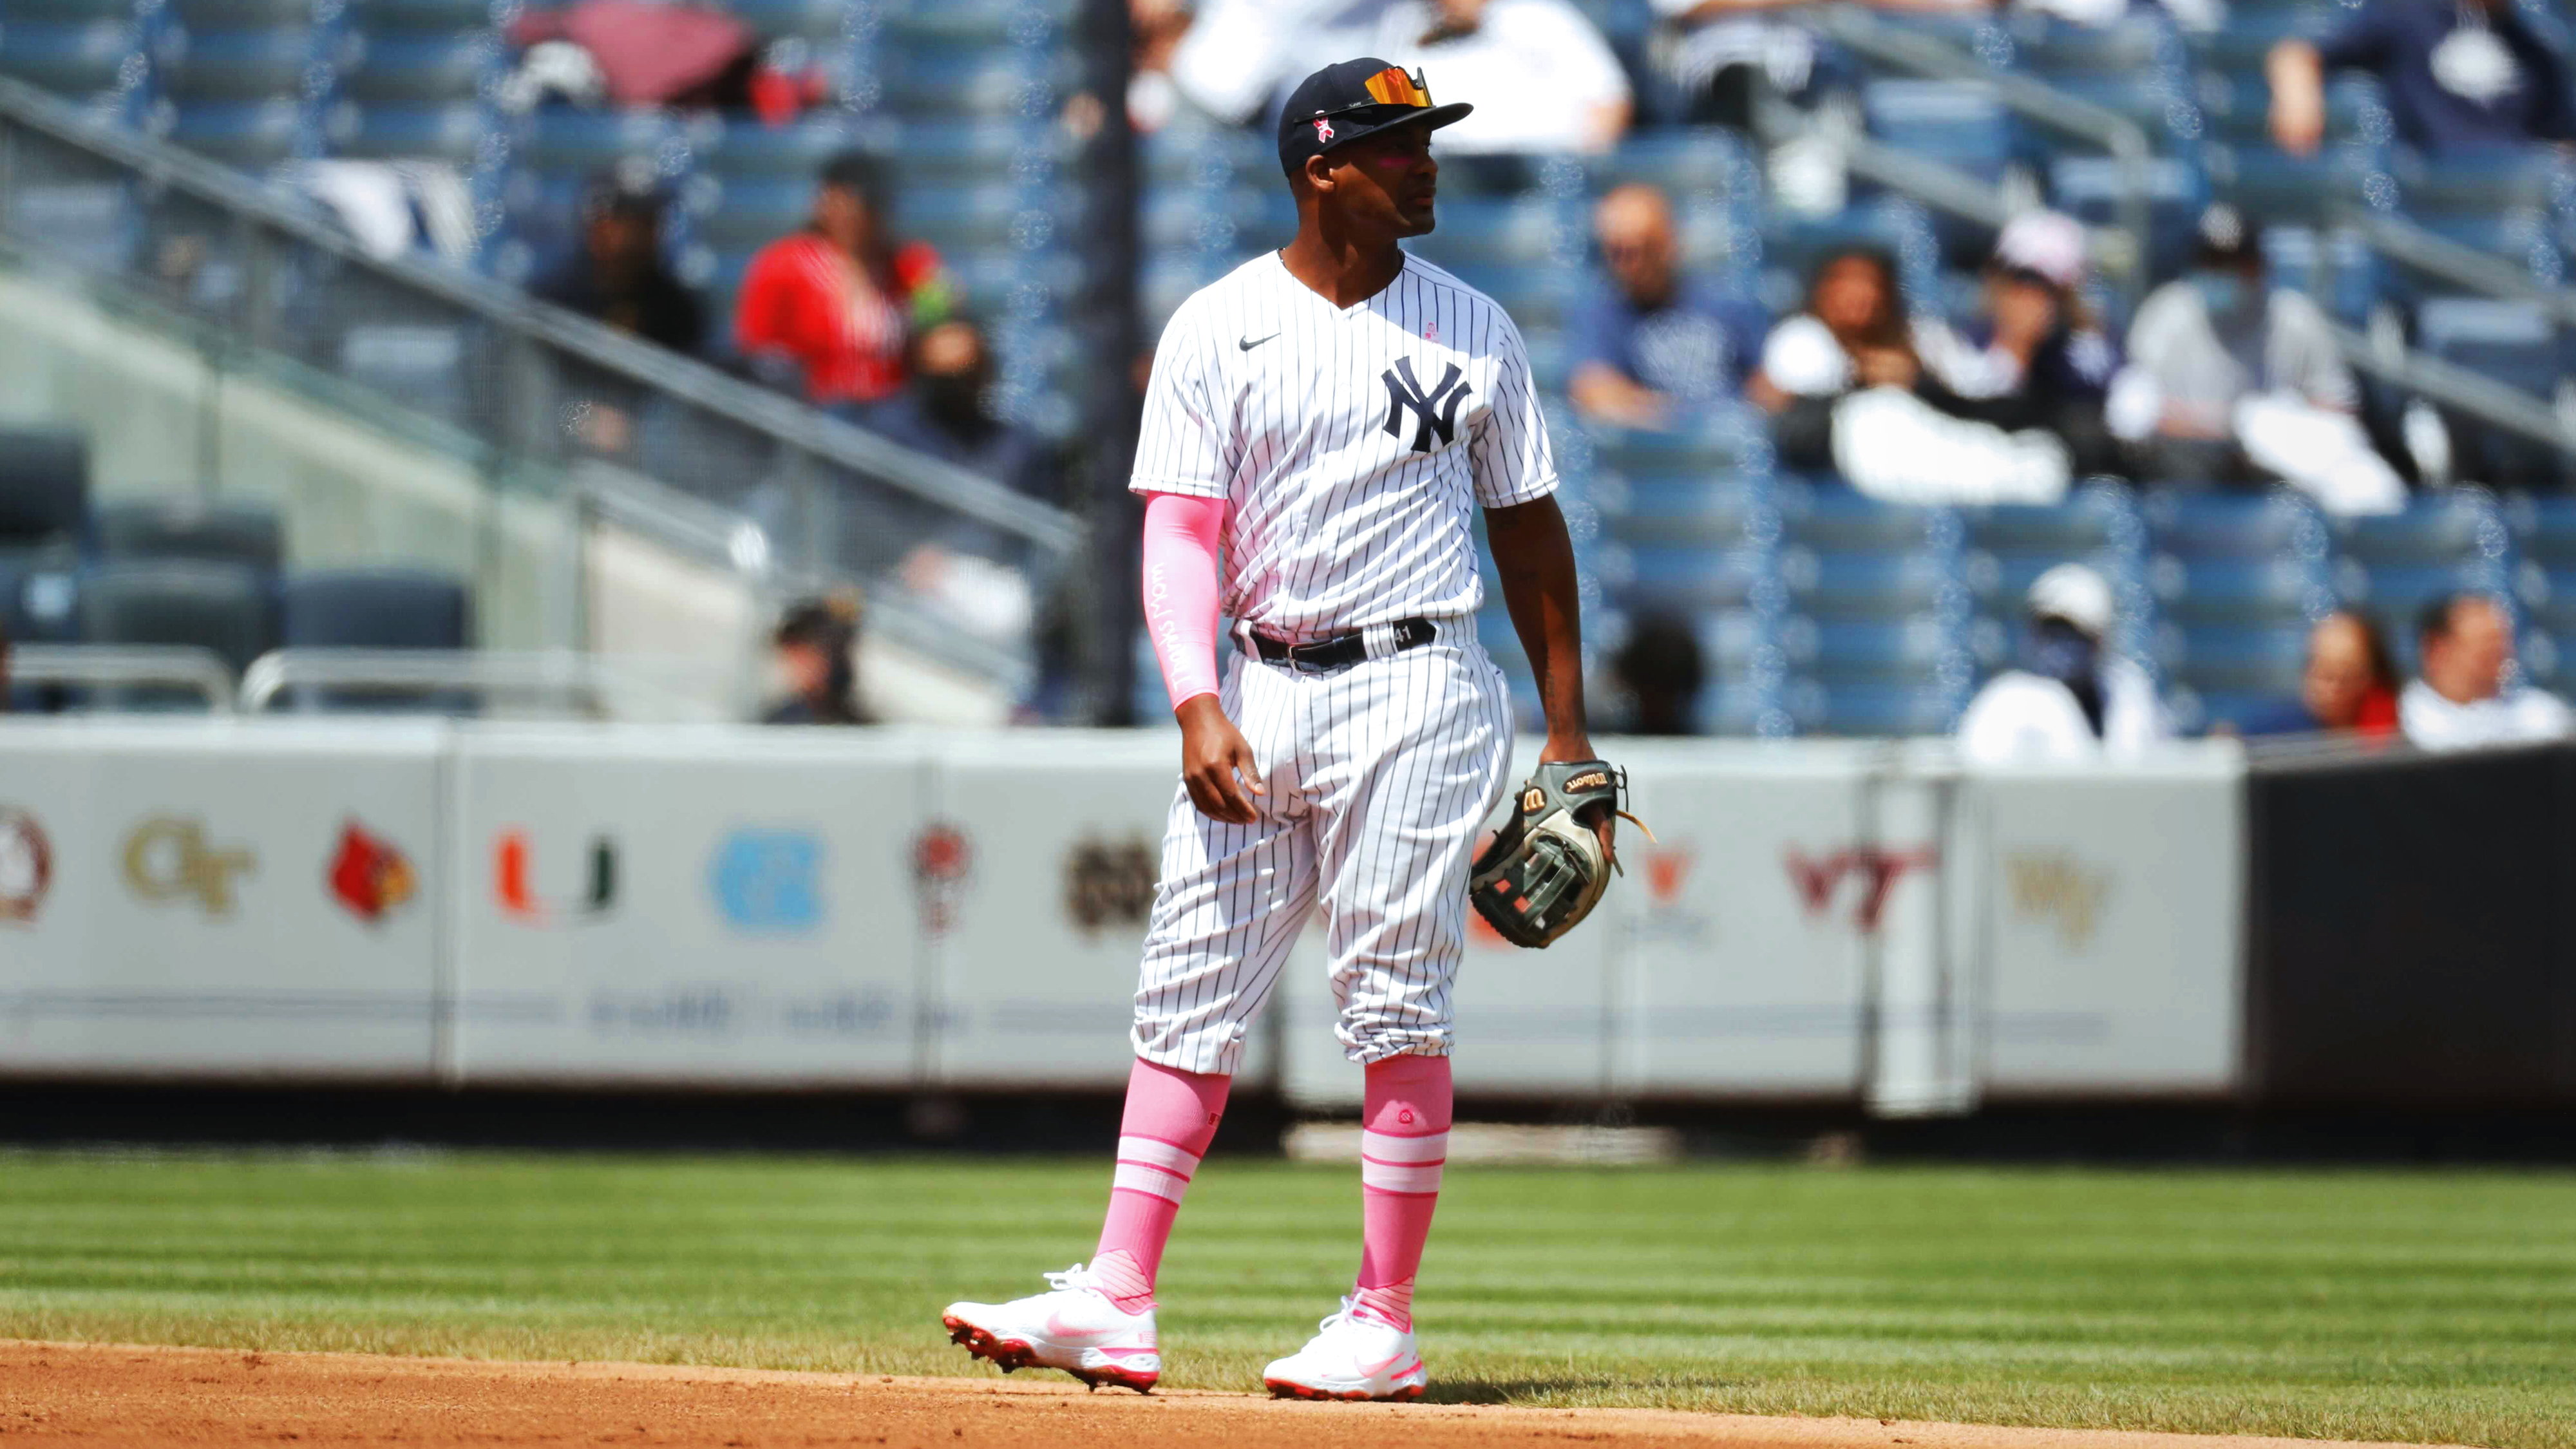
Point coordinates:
pixel 1184 445
pixel 1509 452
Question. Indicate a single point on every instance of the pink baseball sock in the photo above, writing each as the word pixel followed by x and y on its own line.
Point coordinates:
pixel 1404 1139
pixel 1170 1117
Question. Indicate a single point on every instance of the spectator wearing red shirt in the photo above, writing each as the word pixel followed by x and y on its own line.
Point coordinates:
pixel 838 301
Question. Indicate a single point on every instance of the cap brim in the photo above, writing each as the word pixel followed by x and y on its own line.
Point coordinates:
pixel 1434 118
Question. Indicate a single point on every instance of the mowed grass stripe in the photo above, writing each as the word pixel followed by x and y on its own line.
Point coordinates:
pixel 2359 1305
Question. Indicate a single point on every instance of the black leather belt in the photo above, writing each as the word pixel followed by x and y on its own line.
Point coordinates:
pixel 1342 649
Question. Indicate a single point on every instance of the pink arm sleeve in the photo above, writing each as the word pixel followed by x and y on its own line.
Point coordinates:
pixel 1180 590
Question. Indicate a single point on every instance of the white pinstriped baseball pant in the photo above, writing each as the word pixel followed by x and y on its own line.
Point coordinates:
pixel 1380 776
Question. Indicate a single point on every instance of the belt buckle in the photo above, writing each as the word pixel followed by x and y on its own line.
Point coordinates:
pixel 1302 657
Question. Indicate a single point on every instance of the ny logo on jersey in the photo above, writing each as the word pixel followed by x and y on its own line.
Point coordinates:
pixel 1435 411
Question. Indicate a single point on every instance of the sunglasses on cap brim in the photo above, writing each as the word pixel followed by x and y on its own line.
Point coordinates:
pixel 1392 86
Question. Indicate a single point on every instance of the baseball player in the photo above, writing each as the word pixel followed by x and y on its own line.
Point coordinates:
pixel 1326 420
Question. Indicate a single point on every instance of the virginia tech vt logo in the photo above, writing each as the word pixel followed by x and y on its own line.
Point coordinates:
pixel 167 858
pixel 517 893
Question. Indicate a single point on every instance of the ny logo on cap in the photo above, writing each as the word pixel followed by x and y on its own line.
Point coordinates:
pixel 1435 411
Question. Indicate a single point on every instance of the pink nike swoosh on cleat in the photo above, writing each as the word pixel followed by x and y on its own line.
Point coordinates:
pixel 1372 1370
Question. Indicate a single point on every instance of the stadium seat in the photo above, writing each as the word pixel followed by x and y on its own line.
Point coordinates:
pixel 1957 123
pixel 807 19
pixel 44 486
pixel 74 57
pixel 419 70
pixel 2234 663
pixel 1836 515
pixel 226 608
pixel 211 531
pixel 2211 523
pixel 280 61
pixel 2240 591
pixel 377 609
pixel 253 135
pixel 1716 513
pixel 2512 342
pixel 2455 528
pixel 1872 585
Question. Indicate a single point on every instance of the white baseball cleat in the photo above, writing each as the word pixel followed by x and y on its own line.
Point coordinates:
pixel 1351 1358
pixel 1073 1326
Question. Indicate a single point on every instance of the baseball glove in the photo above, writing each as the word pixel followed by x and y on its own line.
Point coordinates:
pixel 1545 870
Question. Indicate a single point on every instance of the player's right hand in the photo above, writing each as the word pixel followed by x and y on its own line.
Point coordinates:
pixel 1213 753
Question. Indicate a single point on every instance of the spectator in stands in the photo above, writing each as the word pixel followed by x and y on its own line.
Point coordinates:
pixel 2234 379
pixel 1862 390
pixel 2464 644
pixel 2037 358
pixel 1652 343
pixel 1544 79
pixel 1720 54
pixel 945 411
pixel 1663 670
pixel 2460 76
pixel 2349 685
pixel 969 572
pixel 617 275
pixel 2072 698
pixel 831 308
pixel 816 648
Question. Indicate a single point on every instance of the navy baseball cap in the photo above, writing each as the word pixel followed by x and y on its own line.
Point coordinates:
pixel 1341 103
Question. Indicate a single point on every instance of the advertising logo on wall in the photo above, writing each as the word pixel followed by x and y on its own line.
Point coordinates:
pixel 1109 883
pixel 168 858
pixel 2054 887
pixel 768 880
pixel 941 861
pixel 514 887
pixel 26 866
pixel 1819 882
pixel 368 875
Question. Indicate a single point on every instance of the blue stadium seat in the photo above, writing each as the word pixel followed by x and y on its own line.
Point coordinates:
pixel 2209 523
pixel 810 19
pixel 1865 711
pixel 375 609
pixel 73 57
pixel 1689 580
pixel 1714 513
pixel 458 132
pixel 227 608
pixel 798 149
pixel 2095 190
pixel 44 487
pixel 1915 652
pixel 975 81
pixel 245 65
pixel 2512 342
pixel 1686 163
pixel 1958 123
pixel 2335 269
pixel 248 14
pixel 2454 528
pixel 429 17
pixel 1872 585
pixel 423 69
pixel 55 12
pixel 186 527
pixel 2266 182
pixel 1527 229
pixel 1836 515
pixel 253 135
pixel 587 142
pixel 2236 663
pixel 2091 519
pixel 2237 590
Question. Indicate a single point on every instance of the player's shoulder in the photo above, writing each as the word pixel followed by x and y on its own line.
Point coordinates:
pixel 1485 316
pixel 1222 303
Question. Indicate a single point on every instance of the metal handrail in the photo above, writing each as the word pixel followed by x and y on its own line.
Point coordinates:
pixel 516 313
pixel 2452 385
pixel 126 665
pixel 1855 27
pixel 2464 266
pixel 562 673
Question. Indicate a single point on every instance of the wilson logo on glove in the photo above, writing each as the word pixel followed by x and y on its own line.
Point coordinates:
pixel 1545 869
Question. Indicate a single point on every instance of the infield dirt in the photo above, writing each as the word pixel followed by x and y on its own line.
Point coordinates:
pixel 126 1394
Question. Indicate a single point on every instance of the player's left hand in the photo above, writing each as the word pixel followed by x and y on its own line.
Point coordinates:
pixel 1604 822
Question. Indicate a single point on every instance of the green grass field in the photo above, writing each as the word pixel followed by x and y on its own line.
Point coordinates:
pixel 2349 1305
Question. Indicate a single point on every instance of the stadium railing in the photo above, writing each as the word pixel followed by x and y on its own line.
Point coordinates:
pixel 125 666
pixel 562 681
pixel 480 371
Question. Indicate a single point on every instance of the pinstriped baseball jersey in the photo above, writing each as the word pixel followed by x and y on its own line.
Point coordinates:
pixel 1352 443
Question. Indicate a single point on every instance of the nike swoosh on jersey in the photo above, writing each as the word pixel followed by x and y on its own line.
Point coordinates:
pixel 1250 343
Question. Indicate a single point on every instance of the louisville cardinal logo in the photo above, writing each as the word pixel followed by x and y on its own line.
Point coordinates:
pixel 368 875
pixel 1323 129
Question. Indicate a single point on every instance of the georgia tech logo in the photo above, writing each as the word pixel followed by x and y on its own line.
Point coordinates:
pixel 2054 886
pixel 519 899
pixel 26 865
pixel 166 858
